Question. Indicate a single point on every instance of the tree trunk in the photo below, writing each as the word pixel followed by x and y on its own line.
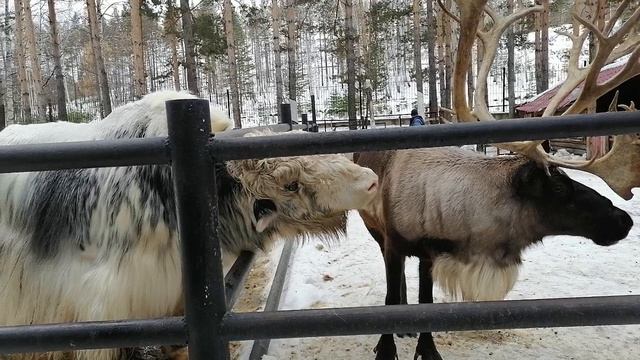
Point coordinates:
pixel 96 44
pixel 55 41
pixel 433 71
pixel 276 13
pixel 96 71
pixel 470 87
pixel 544 37
pixel 36 72
pixel 6 65
pixel 175 64
pixel 21 63
pixel 440 46
pixel 138 50
pixel 417 56
pixel 3 85
pixel 170 26
pixel 351 63
pixel 511 73
pixel 231 54
pixel 371 50
pixel 189 47
pixel 542 47
pixel 291 49
pixel 448 58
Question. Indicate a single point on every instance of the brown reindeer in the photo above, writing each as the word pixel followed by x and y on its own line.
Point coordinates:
pixel 468 218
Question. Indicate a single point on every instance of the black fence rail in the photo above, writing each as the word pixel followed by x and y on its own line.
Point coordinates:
pixel 208 325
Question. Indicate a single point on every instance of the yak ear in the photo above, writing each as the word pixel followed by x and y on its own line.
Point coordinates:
pixel 265 213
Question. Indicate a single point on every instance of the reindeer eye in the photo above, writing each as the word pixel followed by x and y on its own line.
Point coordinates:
pixel 292 186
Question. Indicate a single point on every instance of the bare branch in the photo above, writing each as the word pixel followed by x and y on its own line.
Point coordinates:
pixel 448 12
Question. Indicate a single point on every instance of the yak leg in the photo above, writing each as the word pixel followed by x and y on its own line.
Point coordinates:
pixel 394 266
pixel 426 349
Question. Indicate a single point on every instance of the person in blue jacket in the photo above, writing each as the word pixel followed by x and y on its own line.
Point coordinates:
pixel 416 120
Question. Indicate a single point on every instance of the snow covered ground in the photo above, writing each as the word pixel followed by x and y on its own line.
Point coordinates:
pixel 351 273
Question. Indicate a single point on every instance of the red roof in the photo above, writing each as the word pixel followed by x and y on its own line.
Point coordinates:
pixel 540 103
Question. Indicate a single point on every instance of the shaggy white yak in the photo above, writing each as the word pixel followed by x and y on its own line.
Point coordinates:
pixel 103 244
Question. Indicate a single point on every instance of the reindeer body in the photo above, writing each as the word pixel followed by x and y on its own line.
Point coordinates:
pixel 469 217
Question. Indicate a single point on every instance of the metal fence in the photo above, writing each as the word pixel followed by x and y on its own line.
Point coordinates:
pixel 209 325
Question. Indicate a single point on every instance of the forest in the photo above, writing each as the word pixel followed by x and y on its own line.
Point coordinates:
pixel 76 61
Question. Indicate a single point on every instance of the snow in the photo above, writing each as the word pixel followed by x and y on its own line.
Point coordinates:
pixel 351 273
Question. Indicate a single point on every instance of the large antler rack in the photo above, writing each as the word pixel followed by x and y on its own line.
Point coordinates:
pixel 620 168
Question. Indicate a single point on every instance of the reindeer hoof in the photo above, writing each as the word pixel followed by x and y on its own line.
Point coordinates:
pixel 429 356
pixel 386 350
pixel 386 356
pixel 426 349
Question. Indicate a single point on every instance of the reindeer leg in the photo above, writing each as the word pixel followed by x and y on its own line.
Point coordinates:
pixel 403 300
pixel 394 266
pixel 426 348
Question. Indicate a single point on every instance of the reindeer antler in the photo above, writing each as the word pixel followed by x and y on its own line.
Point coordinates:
pixel 469 21
pixel 620 168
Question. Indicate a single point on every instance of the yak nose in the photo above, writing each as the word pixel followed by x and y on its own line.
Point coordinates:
pixel 370 180
pixel 373 187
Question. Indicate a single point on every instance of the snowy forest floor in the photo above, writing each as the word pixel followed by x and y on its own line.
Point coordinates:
pixel 351 273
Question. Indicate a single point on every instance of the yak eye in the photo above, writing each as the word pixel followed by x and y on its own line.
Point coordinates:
pixel 292 186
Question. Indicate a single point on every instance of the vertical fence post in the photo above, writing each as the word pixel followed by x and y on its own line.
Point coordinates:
pixel 360 100
pixel 313 109
pixel 228 104
pixel 261 347
pixel 197 204
pixel 285 110
pixel 504 88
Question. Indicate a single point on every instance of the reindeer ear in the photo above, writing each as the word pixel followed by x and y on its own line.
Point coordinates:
pixel 529 181
pixel 265 213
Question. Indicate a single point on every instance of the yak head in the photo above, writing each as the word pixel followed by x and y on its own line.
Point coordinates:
pixel 304 195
